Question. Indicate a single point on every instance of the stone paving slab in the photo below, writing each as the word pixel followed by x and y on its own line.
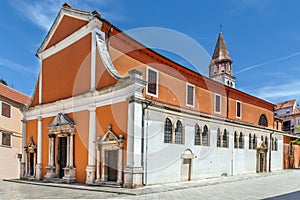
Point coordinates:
pixel 156 188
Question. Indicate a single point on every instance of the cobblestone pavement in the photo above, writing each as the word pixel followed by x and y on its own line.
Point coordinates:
pixel 280 185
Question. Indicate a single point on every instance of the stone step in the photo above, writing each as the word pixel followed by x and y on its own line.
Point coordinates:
pixel 108 184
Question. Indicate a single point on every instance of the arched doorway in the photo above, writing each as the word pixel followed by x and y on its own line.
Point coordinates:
pixel 186 165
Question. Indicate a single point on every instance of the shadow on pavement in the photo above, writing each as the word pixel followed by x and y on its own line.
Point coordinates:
pixel 290 196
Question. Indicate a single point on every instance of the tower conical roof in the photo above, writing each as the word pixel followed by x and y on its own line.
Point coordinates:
pixel 221 52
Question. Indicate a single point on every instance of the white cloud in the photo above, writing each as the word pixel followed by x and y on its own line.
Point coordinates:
pixel 43 13
pixel 268 63
pixel 16 67
pixel 276 92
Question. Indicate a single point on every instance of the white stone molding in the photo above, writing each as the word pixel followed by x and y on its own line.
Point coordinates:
pixel 90 170
pixel 31 148
pixel 124 89
pixel 39 150
pixel 105 57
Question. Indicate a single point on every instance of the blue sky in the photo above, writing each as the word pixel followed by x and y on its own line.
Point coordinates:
pixel 263 36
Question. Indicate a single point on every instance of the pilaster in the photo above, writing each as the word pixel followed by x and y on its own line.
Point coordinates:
pixel 39 151
pixel 91 168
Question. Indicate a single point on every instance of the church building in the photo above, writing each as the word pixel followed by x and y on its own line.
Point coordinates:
pixel 108 110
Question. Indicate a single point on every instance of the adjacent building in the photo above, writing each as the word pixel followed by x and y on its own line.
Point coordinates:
pixel 12 103
pixel 289 113
pixel 107 109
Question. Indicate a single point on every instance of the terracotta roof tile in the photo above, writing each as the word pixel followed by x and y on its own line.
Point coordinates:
pixel 286 104
pixel 13 94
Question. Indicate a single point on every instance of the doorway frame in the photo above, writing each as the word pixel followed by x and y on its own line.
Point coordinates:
pixel 109 142
pixel 261 153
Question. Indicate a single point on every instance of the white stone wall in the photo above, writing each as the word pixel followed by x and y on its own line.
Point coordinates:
pixel 163 161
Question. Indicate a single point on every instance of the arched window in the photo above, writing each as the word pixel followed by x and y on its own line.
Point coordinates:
pixel 263 121
pixel 219 138
pixel 178 133
pixel 205 140
pixel 266 141
pixel 168 131
pixel 235 140
pixel 273 144
pixel 241 141
pixel 225 138
pixel 197 134
pixel 254 142
pixel 250 141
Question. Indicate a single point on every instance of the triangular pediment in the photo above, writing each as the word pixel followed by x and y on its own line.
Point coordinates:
pixel 67 21
pixel 110 136
pixel 31 144
pixel 262 146
pixel 61 120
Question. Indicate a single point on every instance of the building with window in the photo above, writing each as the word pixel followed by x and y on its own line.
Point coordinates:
pixel 289 113
pixel 12 103
pixel 107 109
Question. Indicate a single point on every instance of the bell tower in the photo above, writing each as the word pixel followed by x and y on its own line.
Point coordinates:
pixel 220 68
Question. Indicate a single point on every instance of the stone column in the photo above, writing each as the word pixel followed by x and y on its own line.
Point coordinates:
pixel 50 168
pixel 90 169
pixel 70 170
pixel 134 171
pixel 120 164
pixel 38 167
pixel 71 151
pixel 23 162
pixel 103 165
pixel 68 152
pixel 98 161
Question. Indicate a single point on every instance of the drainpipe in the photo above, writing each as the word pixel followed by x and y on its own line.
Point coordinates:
pixel 270 150
pixel 145 105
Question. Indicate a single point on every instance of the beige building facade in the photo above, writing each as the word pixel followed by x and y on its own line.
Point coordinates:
pixel 11 105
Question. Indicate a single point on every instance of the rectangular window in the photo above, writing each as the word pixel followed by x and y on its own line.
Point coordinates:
pixel 152 82
pixel 190 93
pixel 5 110
pixel 298 121
pixel 6 139
pixel 238 109
pixel 286 125
pixel 218 103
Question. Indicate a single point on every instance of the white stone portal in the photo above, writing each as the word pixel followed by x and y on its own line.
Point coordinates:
pixel 110 157
pixel 60 153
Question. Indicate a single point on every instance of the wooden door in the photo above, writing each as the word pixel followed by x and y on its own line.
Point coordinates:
pixel 62 155
pixel 112 165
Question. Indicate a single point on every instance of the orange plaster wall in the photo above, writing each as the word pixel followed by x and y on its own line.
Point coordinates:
pixel 67 26
pixel 35 97
pixel 116 115
pixel 31 130
pixel 81 120
pixel 67 73
pixel 103 77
